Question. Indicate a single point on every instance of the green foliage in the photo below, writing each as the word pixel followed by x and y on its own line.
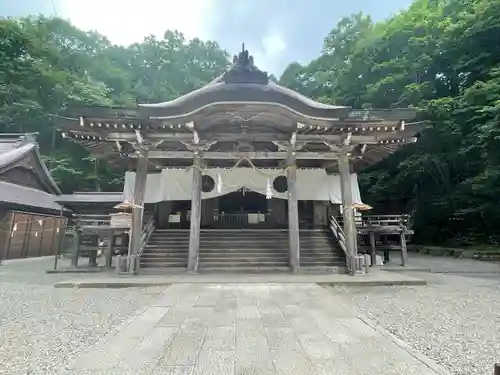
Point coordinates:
pixel 46 64
pixel 441 56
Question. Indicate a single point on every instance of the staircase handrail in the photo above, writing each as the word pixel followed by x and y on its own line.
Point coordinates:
pixel 147 231
pixel 338 232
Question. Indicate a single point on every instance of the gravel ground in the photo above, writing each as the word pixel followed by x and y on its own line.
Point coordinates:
pixel 455 319
pixel 42 328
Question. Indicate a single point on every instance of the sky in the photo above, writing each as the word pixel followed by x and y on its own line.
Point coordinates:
pixel 276 32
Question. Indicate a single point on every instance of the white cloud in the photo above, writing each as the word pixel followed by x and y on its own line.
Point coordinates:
pixel 126 21
pixel 273 48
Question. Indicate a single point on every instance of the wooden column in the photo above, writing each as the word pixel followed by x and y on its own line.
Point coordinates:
pixel 76 247
pixel 194 233
pixel 347 211
pixel 109 251
pixel 404 250
pixel 293 212
pixel 373 249
pixel 93 257
pixel 141 175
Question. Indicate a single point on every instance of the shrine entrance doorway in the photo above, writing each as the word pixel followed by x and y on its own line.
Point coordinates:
pixel 242 209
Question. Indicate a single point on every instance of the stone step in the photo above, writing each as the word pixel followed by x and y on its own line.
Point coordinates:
pixel 240 232
pixel 234 264
pixel 242 263
pixel 238 240
pixel 249 250
pixel 163 257
pixel 254 244
pixel 154 239
pixel 304 252
pixel 164 264
pixel 237 245
pixel 221 254
pixel 243 269
pixel 153 270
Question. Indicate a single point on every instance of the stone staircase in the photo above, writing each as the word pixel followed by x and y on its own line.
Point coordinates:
pixel 242 250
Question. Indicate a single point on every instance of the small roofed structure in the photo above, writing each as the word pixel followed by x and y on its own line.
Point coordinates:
pixel 242 119
pixel 31 221
pixel 90 202
pixel 91 211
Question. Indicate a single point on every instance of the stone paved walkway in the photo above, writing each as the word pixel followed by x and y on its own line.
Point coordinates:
pixel 247 329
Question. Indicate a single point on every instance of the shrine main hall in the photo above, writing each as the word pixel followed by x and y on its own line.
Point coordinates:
pixel 242 174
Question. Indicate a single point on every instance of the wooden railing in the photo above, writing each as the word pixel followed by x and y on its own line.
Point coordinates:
pixel 379 220
pixel 147 231
pixel 238 221
pixel 86 220
pixel 338 233
pixel 386 220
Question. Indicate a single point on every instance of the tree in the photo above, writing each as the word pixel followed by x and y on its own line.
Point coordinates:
pixel 440 56
pixel 46 65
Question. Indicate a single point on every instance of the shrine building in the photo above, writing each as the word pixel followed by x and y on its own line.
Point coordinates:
pixel 243 174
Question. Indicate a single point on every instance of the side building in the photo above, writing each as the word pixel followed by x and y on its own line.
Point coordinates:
pixel 31 221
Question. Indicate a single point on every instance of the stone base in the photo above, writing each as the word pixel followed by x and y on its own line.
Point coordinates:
pixel 376 278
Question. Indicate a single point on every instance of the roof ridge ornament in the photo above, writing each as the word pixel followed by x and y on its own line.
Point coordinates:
pixel 243 70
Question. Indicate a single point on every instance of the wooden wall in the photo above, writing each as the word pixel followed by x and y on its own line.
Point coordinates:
pixel 26 235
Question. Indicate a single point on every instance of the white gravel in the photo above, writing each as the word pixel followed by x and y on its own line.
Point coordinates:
pixel 42 328
pixel 454 320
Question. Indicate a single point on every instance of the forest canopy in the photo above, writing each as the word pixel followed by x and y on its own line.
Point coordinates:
pixel 440 56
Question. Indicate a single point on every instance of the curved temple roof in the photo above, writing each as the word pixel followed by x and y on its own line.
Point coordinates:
pixel 242 106
pixel 243 83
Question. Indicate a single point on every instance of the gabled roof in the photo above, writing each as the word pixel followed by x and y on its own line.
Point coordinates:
pixel 16 150
pixel 21 150
pixel 243 83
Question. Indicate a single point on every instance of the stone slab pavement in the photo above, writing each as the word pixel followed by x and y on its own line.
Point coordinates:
pixel 247 329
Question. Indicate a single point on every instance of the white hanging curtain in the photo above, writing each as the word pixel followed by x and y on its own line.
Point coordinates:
pixel 176 184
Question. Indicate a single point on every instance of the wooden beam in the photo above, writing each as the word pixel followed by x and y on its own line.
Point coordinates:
pixel 232 155
pixel 337 139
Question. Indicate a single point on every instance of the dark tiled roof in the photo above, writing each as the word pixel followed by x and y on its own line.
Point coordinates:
pixel 26 196
pixel 243 82
pixel 18 152
pixel 9 144
pixel 15 148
